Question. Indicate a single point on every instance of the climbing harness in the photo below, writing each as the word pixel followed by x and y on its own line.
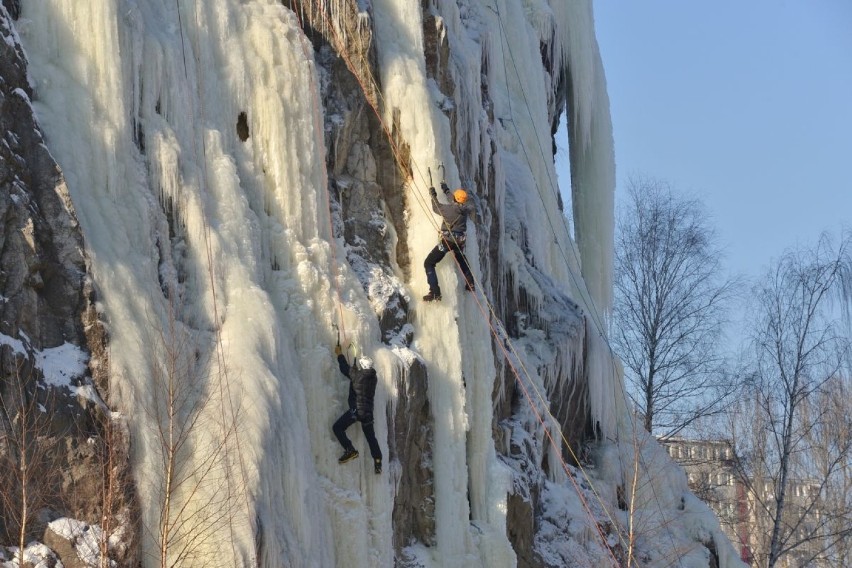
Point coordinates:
pixel 457 237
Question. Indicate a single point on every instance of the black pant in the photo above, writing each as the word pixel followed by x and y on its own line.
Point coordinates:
pixel 437 255
pixel 346 420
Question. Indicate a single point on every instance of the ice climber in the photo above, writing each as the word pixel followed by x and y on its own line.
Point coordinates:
pixel 362 389
pixel 453 229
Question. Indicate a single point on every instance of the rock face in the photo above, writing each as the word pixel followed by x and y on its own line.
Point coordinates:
pixel 366 173
pixel 73 447
pixel 47 302
pixel 42 249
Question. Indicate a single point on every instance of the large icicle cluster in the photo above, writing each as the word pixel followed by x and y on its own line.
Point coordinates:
pixel 206 250
pixel 225 206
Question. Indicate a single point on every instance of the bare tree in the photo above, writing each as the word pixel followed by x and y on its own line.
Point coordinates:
pixel 119 508
pixel 28 462
pixel 670 306
pixel 193 443
pixel 644 517
pixel 829 461
pixel 792 434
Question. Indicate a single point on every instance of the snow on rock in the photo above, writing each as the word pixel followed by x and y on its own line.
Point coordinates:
pixel 61 365
pixel 85 540
pixel 64 366
pixel 35 554
pixel 16 344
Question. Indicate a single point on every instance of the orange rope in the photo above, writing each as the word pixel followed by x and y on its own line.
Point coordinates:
pixel 317 129
pixel 353 70
pixel 220 348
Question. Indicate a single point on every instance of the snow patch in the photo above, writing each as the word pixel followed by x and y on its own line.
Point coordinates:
pixel 86 539
pixel 35 555
pixel 59 365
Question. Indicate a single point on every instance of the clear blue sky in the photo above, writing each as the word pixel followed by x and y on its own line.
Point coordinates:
pixel 745 104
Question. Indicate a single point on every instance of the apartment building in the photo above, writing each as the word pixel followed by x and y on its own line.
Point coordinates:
pixel 741 504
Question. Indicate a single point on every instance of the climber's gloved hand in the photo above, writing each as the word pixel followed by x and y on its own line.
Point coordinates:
pixel 444 188
pixel 337 349
pixel 432 192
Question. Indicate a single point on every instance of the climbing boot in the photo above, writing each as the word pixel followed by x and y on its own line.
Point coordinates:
pixel 348 456
pixel 432 296
pixel 377 465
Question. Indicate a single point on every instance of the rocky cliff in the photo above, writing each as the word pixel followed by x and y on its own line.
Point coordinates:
pixel 239 185
pixel 62 453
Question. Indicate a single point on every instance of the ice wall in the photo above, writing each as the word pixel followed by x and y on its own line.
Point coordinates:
pixel 182 218
pixel 506 35
pixel 213 247
pixel 191 137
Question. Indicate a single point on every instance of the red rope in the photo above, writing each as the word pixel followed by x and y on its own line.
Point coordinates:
pixel 343 52
pixel 318 141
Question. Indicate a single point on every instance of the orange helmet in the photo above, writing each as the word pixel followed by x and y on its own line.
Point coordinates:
pixel 460 195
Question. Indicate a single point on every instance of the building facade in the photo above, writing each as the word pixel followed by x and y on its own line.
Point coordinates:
pixel 744 506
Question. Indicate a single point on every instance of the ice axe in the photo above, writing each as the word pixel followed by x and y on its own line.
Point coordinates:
pixel 351 345
pixel 337 329
pixel 354 350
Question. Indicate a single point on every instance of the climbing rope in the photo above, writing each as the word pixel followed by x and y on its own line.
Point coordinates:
pixel 397 154
pixel 220 348
pixel 316 117
pixel 597 319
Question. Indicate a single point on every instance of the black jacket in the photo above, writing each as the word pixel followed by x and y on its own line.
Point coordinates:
pixel 362 389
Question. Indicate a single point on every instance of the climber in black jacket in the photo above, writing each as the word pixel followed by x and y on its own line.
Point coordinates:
pixel 362 389
pixel 453 231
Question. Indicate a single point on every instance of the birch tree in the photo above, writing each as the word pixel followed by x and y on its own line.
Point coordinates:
pixel 28 451
pixel 670 306
pixel 195 431
pixel 792 433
